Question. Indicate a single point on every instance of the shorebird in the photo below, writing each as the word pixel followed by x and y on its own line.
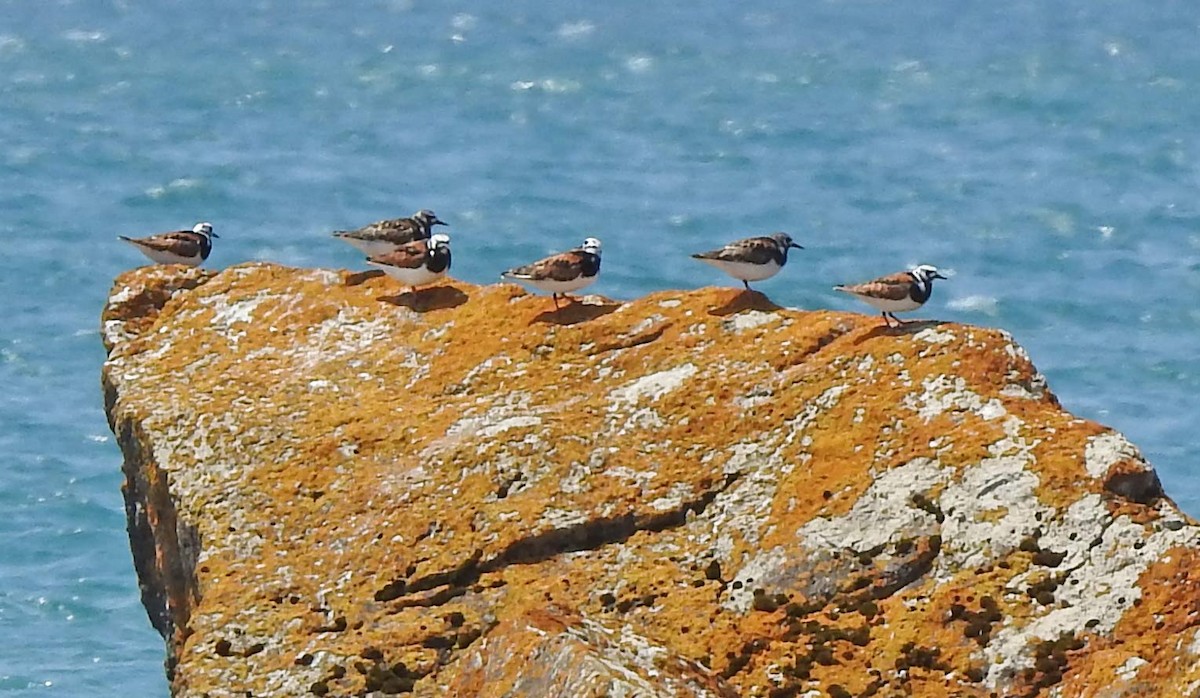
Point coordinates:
pixel 896 293
pixel 562 273
pixel 752 259
pixel 382 237
pixel 190 247
pixel 417 263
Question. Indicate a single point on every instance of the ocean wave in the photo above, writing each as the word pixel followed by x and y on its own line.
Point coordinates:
pixel 11 44
pixel 575 30
pixel 639 64
pixel 547 85
pixel 988 305
pixel 175 185
pixel 85 36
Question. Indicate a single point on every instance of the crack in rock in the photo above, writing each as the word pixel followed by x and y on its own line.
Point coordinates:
pixel 538 547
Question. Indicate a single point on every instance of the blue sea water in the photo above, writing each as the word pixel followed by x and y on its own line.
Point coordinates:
pixel 1045 151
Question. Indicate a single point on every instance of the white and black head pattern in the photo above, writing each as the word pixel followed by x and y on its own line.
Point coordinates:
pixel 427 219
pixel 438 255
pixel 923 276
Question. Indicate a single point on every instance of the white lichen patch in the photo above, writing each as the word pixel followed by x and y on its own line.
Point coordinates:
pixel 738 513
pixel 797 425
pixel 294 680
pixel 865 365
pixel 1018 391
pixel 114 332
pixel 679 493
pixel 932 335
pixel 971 534
pixel 577 480
pixel 763 565
pixel 181 444
pixel 889 499
pixel 643 325
pixel 325 277
pixel 519 422
pixel 1104 560
pixel 642 418
pixel 227 314
pixel 945 393
pixel 758 395
pixel 1128 671
pixel 514 413
pixel 1036 389
pixel 624 473
pixel 489 366
pixel 590 659
pixel 562 518
pixel 748 320
pixel 1106 450
pixel 652 386
pixel 348 333
pixel 435 333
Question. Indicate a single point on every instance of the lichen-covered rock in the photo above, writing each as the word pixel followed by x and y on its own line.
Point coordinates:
pixel 336 490
pixel 545 655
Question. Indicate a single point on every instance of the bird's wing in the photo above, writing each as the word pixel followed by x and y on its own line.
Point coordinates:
pixel 184 243
pixel 564 266
pixel 893 287
pixel 758 250
pixel 408 256
pixel 397 230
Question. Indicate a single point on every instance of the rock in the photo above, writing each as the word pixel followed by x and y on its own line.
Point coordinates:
pixel 137 298
pixel 333 489
pixel 542 654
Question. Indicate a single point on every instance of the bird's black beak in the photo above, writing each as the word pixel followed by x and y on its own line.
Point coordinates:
pixel 939 276
pixel 213 235
pixel 439 221
pixel 799 247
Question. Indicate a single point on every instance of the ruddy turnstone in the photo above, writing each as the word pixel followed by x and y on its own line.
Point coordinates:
pixel 561 273
pixel 417 263
pixel 382 237
pixel 752 259
pixel 190 247
pixel 896 293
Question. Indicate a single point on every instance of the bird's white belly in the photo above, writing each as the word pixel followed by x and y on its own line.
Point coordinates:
pixel 553 286
pixel 410 277
pixel 887 305
pixel 163 257
pixel 745 271
pixel 371 248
